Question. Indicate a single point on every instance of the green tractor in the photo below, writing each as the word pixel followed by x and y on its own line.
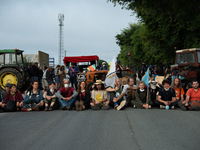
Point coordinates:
pixel 12 69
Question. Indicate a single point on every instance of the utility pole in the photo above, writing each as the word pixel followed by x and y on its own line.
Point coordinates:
pixel 61 38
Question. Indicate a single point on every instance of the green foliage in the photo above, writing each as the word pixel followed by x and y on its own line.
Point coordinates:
pixel 163 25
pixel 27 62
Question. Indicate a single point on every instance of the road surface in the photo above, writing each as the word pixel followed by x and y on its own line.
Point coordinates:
pixel 130 129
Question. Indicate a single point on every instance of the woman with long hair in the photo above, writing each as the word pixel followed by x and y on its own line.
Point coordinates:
pixel 34 97
pixel 83 98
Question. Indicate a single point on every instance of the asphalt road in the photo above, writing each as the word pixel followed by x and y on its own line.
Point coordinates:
pixel 130 129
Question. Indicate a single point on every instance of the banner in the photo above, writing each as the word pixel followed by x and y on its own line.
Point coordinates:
pixel 110 77
pixel 146 78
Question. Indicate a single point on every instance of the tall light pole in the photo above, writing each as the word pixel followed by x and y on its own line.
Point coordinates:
pixel 61 38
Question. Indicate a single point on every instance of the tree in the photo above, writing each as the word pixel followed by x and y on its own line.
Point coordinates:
pixel 167 24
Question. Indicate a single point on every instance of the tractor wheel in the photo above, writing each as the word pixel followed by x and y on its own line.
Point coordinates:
pixel 125 76
pixel 12 76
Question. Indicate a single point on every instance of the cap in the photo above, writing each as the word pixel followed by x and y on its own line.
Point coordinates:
pixel 118 61
pixel 7 84
pixel 51 82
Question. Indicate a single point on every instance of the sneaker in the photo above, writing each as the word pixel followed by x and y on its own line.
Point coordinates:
pixel 77 104
pixel 105 107
pixel 172 107
pixel 182 106
pixel 95 108
pixel 67 107
pixel 195 107
pixel 122 104
pixel 81 105
pixel 162 107
pixel 115 105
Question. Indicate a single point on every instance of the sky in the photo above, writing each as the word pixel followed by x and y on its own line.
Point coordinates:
pixel 90 26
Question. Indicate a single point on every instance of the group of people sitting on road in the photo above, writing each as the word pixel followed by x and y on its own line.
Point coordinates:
pixel 97 97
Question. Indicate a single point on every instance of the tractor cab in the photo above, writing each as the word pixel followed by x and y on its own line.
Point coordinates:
pixel 11 58
pixel 12 68
pixel 187 64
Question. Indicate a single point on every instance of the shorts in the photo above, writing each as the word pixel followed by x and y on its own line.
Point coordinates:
pixel 57 79
pixel 50 101
pixel 44 82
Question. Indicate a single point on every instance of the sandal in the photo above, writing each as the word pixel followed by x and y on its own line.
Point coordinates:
pixel 46 108
pixel 50 108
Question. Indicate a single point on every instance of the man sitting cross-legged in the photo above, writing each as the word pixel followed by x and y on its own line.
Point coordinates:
pixel 166 96
pixel 99 97
pixel 115 93
pixel 192 100
pixel 67 95
pixel 142 97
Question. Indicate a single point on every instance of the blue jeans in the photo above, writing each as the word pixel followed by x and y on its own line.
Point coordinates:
pixel 70 103
pixel 73 82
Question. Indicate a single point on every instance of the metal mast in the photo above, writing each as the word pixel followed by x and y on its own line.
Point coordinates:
pixel 61 38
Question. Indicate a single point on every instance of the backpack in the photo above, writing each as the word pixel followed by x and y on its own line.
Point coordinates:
pixel 10 106
pixel 195 105
pixel 33 101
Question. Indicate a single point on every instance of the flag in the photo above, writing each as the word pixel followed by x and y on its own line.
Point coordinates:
pixel 110 77
pixel 146 78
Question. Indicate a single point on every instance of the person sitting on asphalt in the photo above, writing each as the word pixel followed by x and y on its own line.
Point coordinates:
pixel 129 91
pixel 154 89
pixel 192 95
pixel 7 89
pixel 142 97
pixel 14 95
pixel 34 97
pixel 67 95
pixel 118 104
pixel 83 98
pixel 177 86
pixel 99 97
pixel 49 96
pixel 166 96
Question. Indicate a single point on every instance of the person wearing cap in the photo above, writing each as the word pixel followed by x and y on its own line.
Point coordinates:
pixel 49 97
pixel 73 70
pixel 99 97
pixel 3 93
pixel 103 66
pixel 67 95
pixel 118 69
pixel 7 89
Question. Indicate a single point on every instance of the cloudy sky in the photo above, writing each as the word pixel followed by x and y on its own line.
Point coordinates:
pixel 90 26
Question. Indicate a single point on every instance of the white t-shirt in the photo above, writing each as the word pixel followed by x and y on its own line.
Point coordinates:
pixel 125 88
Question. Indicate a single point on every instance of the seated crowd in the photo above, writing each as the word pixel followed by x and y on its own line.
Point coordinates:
pixel 98 97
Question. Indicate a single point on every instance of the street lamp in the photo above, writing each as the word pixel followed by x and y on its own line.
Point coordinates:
pixel 129 54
